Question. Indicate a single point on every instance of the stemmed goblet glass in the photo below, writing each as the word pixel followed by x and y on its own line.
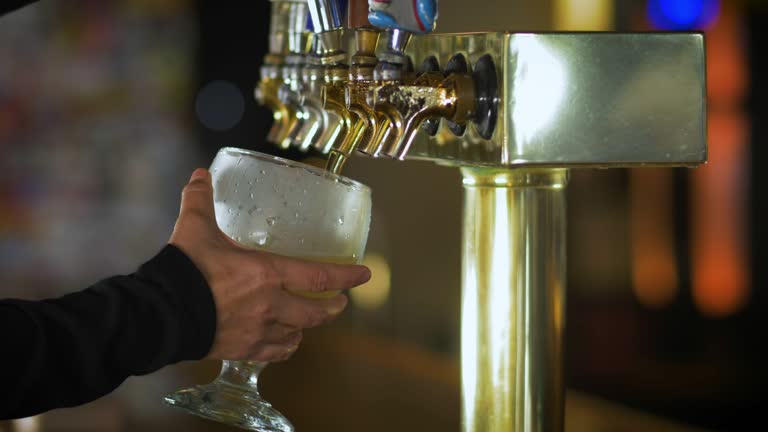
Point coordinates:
pixel 288 208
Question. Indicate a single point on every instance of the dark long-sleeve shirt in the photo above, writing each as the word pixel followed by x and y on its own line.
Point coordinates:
pixel 70 350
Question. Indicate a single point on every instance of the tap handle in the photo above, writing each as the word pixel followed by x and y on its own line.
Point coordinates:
pixel 281 26
pixel 413 16
pixel 327 15
pixel 357 14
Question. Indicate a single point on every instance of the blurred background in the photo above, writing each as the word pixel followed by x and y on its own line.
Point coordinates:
pixel 106 107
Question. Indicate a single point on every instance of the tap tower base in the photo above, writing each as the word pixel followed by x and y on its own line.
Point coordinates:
pixel 513 296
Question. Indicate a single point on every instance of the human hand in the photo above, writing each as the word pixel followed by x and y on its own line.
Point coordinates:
pixel 258 317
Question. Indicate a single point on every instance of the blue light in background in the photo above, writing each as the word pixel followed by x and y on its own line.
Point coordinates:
pixel 683 14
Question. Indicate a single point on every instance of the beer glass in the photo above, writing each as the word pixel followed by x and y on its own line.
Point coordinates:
pixel 288 208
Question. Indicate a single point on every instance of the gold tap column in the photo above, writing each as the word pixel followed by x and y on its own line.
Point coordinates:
pixel 513 293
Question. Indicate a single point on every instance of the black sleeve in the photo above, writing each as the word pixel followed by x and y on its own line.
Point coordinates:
pixel 71 350
pixel 9 5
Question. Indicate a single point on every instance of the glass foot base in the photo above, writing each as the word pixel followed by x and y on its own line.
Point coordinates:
pixel 230 405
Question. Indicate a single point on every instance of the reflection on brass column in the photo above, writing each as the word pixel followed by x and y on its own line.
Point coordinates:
pixel 513 299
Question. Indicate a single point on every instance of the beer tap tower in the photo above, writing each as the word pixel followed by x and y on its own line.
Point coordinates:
pixel 514 112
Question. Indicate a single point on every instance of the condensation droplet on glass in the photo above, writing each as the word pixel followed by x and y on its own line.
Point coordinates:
pixel 341 220
pixel 239 239
pixel 251 195
pixel 305 191
pixel 263 172
pixel 300 203
pixel 261 238
pixel 301 240
pixel 229 210
pixel 271 220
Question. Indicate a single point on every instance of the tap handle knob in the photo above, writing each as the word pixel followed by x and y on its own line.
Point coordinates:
pixel 413 16
pixel 327 15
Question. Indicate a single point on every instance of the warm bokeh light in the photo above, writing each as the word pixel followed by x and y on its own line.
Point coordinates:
pixel 375 292
pixel 28 424
pixel 720 273
pixel 719 247
pixel 727 74
pixel 583 15
pixel 654 269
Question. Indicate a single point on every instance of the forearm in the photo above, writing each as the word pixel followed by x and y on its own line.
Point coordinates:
pixel 79 347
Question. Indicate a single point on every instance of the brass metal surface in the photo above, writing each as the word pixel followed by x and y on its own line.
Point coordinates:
pixel 407 106
pixel 334 100
pixel 363 119
pixel 564 100
pixel 357 97
pixel 351 97
pixel 396 43
pixel 285 23
pixel 329 46
pixel 580 99
pixel 320 128
pixel 512 300
pixel 287 36
pixel 283 116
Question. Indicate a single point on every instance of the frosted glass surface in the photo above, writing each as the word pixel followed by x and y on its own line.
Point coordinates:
pixel 289 208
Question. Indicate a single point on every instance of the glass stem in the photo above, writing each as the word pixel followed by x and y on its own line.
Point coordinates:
pixel 241 374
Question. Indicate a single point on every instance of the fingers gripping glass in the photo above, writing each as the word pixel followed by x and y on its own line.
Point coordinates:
pixel 291 209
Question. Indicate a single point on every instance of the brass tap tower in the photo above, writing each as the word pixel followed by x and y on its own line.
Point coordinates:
pixel 288 43
pixel 515 112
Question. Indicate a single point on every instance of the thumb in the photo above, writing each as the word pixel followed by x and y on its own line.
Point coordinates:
pixel 197 197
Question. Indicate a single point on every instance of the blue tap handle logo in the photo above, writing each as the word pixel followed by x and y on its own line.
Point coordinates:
pixel 415 16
